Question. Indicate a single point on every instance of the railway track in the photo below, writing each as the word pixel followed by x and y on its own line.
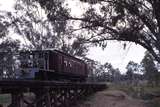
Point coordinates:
pixel 47 93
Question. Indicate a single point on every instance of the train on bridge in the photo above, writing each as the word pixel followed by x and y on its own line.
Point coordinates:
pixel 39 72
pixel 51 65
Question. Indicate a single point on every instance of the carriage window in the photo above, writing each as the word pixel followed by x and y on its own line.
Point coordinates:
pixel 70 65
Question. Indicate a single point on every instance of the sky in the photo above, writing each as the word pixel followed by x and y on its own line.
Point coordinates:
pixel 6 5
pixel 114 53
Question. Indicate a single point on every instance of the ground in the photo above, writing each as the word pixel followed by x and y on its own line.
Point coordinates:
pixel 112 98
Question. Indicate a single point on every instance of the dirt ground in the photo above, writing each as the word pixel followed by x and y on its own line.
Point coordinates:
pixel 112 98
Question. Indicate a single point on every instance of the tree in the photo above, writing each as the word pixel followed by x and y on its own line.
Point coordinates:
pixel 96 70
pixel 131 68
pixel 8 64
pixel 133 72
pixel 136 21
pixel 134 67
pixel 123 20
pixel 33 25
pixel 113 74
pixel 150 70
pixel 8 47
pixel 102 72
pixel 38 32
pixel 116 75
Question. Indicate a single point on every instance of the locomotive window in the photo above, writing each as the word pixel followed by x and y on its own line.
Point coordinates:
pixel 46 55
pixel 41 64
pixel 31 57
pixel 40 60
pixel 65 63
pixel 41 55
pixel 4 58
pixel 25 60
pixel 35 63
pixel 32 60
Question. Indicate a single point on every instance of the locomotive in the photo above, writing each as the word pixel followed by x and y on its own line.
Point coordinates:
pixel 52 65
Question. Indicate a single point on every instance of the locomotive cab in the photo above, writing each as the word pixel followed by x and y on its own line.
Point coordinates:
pixel 32 62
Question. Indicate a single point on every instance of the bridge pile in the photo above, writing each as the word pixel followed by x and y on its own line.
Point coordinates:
pixel 47 93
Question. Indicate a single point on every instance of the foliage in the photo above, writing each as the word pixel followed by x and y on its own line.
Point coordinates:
pixel 4 24
pixel 114 74
pixel 8 50
pixel 33 25
pixel 147 93
pixel 132 69
pixel 124 20
pixel 5 99
pixel 106 72
pixel 102 72
pixel 150 70
pixel 42 29
pixel 135 67
pixel 39 30
pixel 8 46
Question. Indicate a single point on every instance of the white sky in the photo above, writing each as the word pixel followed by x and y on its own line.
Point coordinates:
pixel 6 5
pixel 113 53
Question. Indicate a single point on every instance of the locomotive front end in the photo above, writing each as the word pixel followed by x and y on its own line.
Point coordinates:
pixel 32 62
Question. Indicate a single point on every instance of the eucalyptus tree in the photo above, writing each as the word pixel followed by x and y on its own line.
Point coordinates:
pixel 34 24
pixel 136 21
pixel 8 59
pixel 150 70
pixel 132 68
pixel 8 47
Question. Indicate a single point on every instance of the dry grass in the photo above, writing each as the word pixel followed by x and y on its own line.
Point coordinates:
pixel 125 96
pixel 112 98
pixel 5 99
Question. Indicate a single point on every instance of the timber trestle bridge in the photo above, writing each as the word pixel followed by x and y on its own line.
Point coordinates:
pixel 35 93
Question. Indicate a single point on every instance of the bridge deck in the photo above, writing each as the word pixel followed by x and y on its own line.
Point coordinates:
pixel 38 83
pixel 47 93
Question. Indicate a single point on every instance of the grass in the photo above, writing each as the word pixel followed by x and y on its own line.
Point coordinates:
pixel 153 103
pixel 5 99
pixel 147 93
